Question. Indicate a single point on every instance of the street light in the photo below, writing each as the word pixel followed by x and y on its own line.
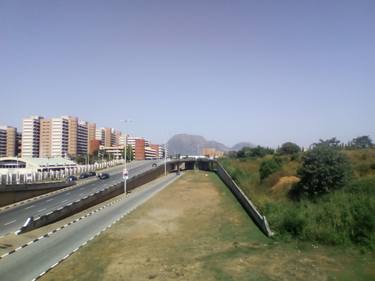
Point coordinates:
pixel 125 172
pixel 165 159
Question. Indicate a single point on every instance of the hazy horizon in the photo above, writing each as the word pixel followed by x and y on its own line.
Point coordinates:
pixel 231 71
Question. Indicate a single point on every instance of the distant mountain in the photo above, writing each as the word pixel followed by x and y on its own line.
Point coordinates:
pixel 241 145
pixel 186 144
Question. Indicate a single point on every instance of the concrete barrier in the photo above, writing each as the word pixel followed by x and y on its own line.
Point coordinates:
pixel 245 202
pixel 92 200
pixel 14 193
pixel 71 209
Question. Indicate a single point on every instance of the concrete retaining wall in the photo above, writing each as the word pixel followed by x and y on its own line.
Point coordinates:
pixel 11 194
pixel 246 203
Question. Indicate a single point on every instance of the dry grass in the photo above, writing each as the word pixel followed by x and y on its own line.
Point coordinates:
pixel 195 230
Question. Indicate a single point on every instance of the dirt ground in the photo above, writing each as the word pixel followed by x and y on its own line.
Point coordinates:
pixel 195 230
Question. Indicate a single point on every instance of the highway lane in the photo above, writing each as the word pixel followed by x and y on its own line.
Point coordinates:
pixel 38 257
pixel 12 219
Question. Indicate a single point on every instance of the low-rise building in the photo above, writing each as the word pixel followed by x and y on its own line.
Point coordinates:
pixel 212 153
pixel 14 165
pixel 114 152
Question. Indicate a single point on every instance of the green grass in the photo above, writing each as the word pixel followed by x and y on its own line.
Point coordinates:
pixel 345 217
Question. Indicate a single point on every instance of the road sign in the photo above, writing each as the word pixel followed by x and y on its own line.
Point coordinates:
pixel 125 174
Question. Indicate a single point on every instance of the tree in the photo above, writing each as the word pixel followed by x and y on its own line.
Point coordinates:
pixel 289 148
pixel 332 142
pixel 254 152
pixel 268 167
pixel 323 170
pixel 362 142
pixel 129 153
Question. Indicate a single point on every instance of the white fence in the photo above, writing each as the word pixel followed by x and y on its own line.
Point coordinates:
pixel 47 176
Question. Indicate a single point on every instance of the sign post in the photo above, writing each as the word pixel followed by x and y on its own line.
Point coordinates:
pixel 125 176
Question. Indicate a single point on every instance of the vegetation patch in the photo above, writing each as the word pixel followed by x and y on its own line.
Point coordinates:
pixel 325 195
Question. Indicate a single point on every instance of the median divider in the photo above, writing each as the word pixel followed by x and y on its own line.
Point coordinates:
pixel 90 200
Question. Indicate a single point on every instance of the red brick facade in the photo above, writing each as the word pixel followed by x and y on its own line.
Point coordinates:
pixel 139 153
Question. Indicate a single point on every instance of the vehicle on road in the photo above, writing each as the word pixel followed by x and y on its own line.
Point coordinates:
pixel 71 178
pixel 83 176
pixel 154 165
pixel 103 176
pixel 92 174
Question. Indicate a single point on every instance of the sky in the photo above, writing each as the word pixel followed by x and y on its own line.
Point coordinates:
pixel 261 71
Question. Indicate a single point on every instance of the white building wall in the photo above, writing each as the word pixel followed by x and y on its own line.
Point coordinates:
pixel 82 138
pixel 30 136
pixel 3 141
pixel 59 137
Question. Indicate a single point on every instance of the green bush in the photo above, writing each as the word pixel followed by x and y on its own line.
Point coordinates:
pixel 289 148
pixel 268 167
pixel 344 217
pixel 324 169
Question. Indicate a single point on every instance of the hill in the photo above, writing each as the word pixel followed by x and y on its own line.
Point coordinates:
pixel 186 144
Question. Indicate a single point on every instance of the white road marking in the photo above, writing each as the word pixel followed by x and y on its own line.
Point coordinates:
pixel 64 201
pixel 67 193
pixel 41 210
pixel 49 200
pixel 10 222
pixel 29 207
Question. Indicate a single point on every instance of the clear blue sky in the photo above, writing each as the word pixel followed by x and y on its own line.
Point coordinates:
pixel 258 71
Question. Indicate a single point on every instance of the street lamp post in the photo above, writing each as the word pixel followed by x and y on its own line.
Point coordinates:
pixel 165 159
pixel 125 173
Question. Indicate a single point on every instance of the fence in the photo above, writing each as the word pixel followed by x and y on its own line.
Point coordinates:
pixel 48 176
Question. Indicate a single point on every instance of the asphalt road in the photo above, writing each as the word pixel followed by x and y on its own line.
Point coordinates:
pixel 38 257
pixel 12 219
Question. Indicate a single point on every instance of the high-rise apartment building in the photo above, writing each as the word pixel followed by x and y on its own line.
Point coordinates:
pixel 99 135
pixel 30 136
pixel 45 143
pixel 139 149
pixel 107 142
pixel 72 136
pixel 19 144
pixel 8 141
pixel 91 133
pixel 12 142
pixel 59 137
pixel 82 138
pixel 3 141
pixel 116 135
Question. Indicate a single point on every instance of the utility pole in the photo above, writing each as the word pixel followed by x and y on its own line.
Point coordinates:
pixel 125 172
pixel 165 159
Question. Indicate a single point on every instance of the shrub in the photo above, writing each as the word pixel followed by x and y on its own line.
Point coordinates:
pixel 323 170
pixel 289 148
pixel 254 152
pixel 268 167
